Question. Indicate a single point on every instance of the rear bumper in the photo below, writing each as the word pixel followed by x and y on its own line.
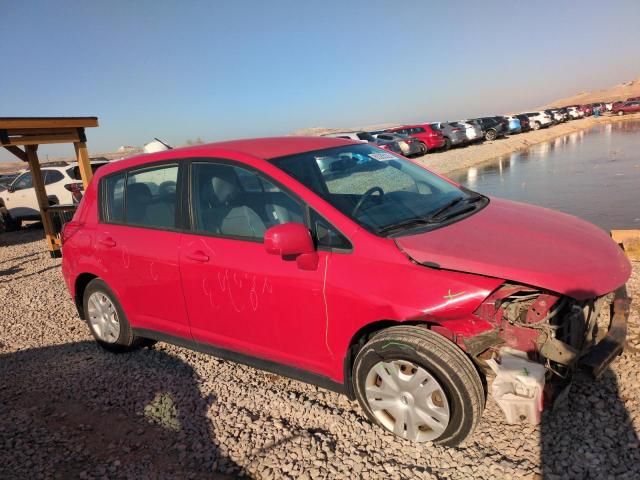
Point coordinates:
pixel 605 352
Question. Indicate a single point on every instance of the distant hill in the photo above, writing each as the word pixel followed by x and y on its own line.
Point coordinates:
pixel 617 92
pixel 316 131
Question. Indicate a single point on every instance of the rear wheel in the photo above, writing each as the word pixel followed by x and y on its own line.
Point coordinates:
pixel 447 143
pixel 423 148
pixel 106 319
pixel 418 385
pixel 536 125
pixel 491 135
pixel 620 113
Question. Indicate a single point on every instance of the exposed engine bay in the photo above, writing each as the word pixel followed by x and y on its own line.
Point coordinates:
pixel 555 331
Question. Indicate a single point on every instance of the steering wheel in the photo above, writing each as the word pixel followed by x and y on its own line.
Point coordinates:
pixel 364 197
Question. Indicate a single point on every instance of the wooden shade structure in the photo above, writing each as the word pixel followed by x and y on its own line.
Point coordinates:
pixel 22 136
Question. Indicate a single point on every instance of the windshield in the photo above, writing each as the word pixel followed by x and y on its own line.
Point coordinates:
pixel 375 188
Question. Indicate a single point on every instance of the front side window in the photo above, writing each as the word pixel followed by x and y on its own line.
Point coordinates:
pixel 231 201
pixel 375 188
pixel 23 181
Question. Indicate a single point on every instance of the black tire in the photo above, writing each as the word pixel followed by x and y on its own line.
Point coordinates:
pixel 126 341
pixel 9 223
pixel 447 143
pixel 425 149
pixel 444 360
pixel 490 135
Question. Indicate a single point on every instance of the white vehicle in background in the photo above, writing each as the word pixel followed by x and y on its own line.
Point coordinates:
pixel 575 112
pixel 473 131
pixel 539 120
pixel 63 184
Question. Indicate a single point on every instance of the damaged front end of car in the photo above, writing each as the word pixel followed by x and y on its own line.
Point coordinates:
pixel 535 327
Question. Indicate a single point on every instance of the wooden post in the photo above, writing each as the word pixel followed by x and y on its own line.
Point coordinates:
pixel 84 164
pixel 41 195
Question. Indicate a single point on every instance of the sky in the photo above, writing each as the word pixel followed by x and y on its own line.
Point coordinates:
pixel 218 70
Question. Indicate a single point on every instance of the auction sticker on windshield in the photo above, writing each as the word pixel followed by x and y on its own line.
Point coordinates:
pixel 382 156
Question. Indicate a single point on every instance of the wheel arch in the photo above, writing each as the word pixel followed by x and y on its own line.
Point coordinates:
pixel 361 337
pixel 80 285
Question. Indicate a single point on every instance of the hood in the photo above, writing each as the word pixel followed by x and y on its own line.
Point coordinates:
pixel 526 244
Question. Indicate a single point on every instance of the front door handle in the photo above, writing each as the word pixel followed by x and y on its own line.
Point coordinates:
pixel 198 256
pixel 107 242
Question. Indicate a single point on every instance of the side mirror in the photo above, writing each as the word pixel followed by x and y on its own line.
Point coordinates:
pixel 292 241
pixel 11 189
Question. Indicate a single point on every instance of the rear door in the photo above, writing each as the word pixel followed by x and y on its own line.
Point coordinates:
pixel 239 297
pixel 139 242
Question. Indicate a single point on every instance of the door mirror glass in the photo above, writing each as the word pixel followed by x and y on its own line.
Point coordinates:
pixel 288 240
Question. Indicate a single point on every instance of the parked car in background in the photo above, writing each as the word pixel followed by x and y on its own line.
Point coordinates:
pixel 539 120
pixel 362 136
pixel 63 185
pixel 409 146
pixel 633 99
pixel 6 179
pixel 377 279
pixel 575 112
pixel 586 109
pixel 626 107
pixel 514 125
pixel 454 135
pixel 525 125
pixel 473 130
pixel 492 128
pixel 430 138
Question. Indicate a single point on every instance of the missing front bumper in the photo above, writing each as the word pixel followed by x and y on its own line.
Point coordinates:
pixel 596 361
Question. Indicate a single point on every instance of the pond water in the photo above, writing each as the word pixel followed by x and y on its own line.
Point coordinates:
pixel 593 174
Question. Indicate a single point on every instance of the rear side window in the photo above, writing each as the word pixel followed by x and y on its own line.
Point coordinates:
pixel 145 198
pixel 150 197
pixel 52 176
pixel 74 172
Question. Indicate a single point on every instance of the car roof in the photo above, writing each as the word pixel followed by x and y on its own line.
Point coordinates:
pixel 260 148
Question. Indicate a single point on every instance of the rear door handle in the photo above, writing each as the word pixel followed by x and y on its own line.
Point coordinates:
pixel 198 256
pixel 107 242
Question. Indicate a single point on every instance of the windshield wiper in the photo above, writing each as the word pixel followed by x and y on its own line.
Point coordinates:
pixel 408 223
pixel 435 217
pixel 438 215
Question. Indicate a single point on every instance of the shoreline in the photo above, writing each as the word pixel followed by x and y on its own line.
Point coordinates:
pixel 462 158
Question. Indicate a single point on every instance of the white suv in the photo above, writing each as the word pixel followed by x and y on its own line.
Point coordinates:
pixel 539 120
pixel 62 183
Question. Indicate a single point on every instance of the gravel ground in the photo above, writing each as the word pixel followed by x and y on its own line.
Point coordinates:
pixel 71 410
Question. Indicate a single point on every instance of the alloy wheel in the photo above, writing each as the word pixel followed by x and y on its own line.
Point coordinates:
pixel 103 317
pixel 407 400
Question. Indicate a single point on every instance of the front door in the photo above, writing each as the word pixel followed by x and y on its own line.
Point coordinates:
pixel 238 296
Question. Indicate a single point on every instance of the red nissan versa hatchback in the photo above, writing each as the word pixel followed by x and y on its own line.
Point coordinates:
pixel 370 276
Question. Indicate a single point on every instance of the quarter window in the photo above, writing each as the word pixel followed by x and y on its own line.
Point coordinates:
pixel 231 201
pixel 114 198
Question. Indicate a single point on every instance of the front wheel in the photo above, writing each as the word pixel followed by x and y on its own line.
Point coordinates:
pixel 620 113
pixel 419 386
pixel 536 125
pixel 447 143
